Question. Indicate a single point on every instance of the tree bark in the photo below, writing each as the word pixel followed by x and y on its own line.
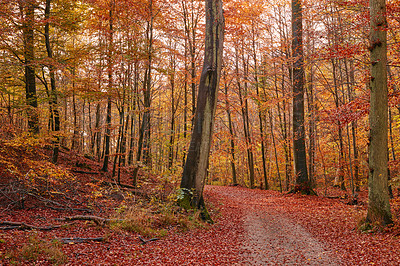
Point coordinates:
pixel 110 85
pixel 378 196
pixel 28 12
pixel 231 134
pixel 196 165
pixel 302 180
pixel 54 113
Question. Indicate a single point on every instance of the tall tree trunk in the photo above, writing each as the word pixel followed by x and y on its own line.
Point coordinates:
pixel 231 134
pixel 339 178
pixel 311 127
pixel 195 170
pixel 190 22
pixel 354 133
pixel 378 193
pixel 185 108
pixel 299 149
pixel 174 108
pixel 271 125
pixel 53 96
pixel 109 91
pixel 245 115
pixel 260 111
pixel 135 106
pixel 28 12
pixel 144 134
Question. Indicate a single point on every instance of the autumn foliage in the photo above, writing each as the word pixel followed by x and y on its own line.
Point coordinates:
pixel 116 85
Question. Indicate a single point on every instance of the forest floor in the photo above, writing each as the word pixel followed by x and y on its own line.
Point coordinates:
pixel 287 229
pixel 253 227
pixel 41 212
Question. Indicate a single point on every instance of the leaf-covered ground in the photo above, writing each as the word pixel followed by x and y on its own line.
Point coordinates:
pixel 294 230
pixel 305 230
pixel 252 227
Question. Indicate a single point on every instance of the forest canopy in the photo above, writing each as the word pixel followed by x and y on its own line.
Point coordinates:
pixel 118 82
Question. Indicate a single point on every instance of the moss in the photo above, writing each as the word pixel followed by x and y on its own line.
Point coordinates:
pixel 185 199
pixel 303 190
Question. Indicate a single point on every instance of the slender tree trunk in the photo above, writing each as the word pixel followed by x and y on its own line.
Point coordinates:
pixel 260 113
pixel 190 23
pixel 311 127
pixel 53 96
pixel 349 81
pixel 121 127
pixel 245 115
pixel 185 98
pixel 75 135
pixel 173 112
pixel 275 150
pixel 378 193
pixel 231 135
pixel 97 140
pixel 135 107
pixel 195 170
pixel 144 135
pixel 339 178
pixel 110 86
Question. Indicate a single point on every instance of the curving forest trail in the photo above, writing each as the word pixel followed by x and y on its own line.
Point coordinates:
pixel 270 237
pixel 280 229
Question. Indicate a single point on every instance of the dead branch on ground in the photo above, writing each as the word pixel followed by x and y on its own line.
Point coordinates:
pixel 98 220
pixel 7 225
pixel 80 240
pixel 144 242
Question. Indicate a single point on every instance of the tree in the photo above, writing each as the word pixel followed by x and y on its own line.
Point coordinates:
pixel 28 13
pixel 195 169
pixel 302 180
pixel 145 128
pixel 54 113
pixel 378 195
pixel 110 86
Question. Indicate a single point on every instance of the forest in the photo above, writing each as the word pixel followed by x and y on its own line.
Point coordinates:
pixel 99 97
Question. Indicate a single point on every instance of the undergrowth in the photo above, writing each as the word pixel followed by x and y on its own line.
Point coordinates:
pixel 155 218
pixel 37 249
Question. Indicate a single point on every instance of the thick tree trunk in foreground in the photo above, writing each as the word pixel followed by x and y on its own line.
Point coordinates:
pixel 302 181
pixel 378 204
pixel 195 170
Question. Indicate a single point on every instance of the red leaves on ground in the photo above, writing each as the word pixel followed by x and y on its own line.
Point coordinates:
pixel 329 221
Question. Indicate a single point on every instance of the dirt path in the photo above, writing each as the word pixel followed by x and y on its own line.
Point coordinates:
pixel 270 237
